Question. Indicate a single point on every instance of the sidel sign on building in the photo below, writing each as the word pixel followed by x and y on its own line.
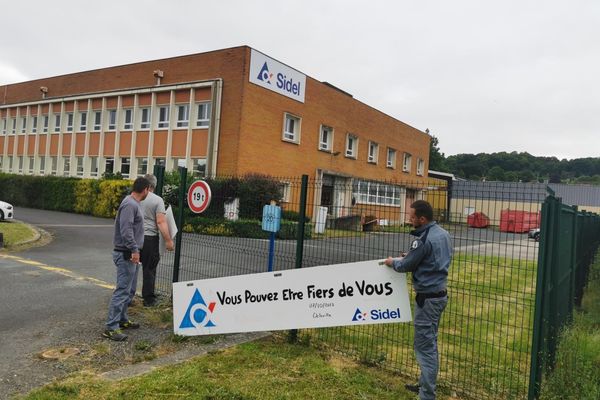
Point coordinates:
pixel 275 76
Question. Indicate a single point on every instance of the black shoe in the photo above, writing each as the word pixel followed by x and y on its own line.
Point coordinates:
pixel 150 303
pixel 115 335
pixel 129 324
pixel 413 388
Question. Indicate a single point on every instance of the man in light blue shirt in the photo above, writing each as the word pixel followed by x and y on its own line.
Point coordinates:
pixel 428 259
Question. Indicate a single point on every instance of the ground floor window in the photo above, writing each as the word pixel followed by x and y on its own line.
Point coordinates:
pixel 66 166
pixel 79 166
pixel 376 193
pixel 93 166
pixel 109 166
pixel 142 166
pixel 125 166
pixel 200 166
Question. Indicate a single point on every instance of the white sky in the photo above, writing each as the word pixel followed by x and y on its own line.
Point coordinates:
pixel 483 76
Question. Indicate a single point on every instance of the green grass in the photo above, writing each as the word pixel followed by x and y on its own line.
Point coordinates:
pixel 262 370
pixel 337 233
pixel 15 233
pixel 576 375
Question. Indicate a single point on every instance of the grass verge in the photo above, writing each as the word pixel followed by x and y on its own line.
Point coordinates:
pixel 16 233
pixel 576 375
pixel 266 369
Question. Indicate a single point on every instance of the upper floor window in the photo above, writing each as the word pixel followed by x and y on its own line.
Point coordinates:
pixel 351 146
pixel 23 124
pixel 34 124
pixel 291 128
pixel 420 166
pixel 70 122
pixel 391 158
pixel 97 120
pixel 83 121
pixel 144 118
pixel 128 119
pixel 163 117
pixel 183 115
pixel 4 126
pixel 112 120
pixel 406 163
pixel 373 152
pixel 56 122
pixel 46 123
pixel 14 126
pixel 203 117
pixel 326 138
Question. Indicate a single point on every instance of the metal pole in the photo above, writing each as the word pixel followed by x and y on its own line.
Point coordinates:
pixel 159 173
pixel 271 250
pixel 181 202
pixel 300 237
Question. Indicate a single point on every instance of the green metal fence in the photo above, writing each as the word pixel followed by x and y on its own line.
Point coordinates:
pixel 569 241
pixel 487 334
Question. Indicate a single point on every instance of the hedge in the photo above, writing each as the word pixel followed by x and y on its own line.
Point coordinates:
pixel 247 228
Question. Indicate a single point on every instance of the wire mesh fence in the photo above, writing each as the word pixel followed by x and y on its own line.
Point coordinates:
pixel 486 331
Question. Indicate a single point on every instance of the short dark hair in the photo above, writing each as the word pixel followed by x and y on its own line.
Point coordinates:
pixel 140 184
pixel 423 209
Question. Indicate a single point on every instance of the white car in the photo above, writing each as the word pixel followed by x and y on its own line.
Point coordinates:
pixel 6 211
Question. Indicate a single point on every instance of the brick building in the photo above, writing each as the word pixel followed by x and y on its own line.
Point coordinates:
pixel 227 112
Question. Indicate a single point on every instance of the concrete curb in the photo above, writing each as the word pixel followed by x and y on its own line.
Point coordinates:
pixel 130 371
pixel 38 234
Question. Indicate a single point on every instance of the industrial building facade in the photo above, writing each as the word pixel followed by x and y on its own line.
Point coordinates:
pixel 228 112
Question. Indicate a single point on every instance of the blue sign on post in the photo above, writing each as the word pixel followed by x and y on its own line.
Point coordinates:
pixel 271 222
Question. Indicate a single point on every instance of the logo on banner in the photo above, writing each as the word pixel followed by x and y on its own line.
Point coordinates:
pixel 359 315
pixel 264 74
pixel 198 314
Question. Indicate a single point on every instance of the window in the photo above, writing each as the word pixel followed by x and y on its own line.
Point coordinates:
pixel 83 121
pixel 10 164
pixel 125 166
pixel 420 166
pixel 326 138
pixel 31 162
pixel 142 166
pixel 112 120
pixel 163 117
pixel 391 158
pixel 56 123
pixel 109 166
pixel 42 165
pixel 23 124
pixel 14 126
pixel 406 163
pixel 376 193
pixel 93 166
pixel 145 118
pixel 373 152
pixel 54 164
pixel 66 166
pixel 177 162
pixel 200 166
pixel 70 122
pixel 79 166
pixel 351 146
pixel 128 119
pixel 291 128
pixel 20 164
pixel 97 121
pixel 34 124
pixel 4 126
pixel 203 118
pixel 46 123
pixel 286 191
pixel 183 115
pixel 159 161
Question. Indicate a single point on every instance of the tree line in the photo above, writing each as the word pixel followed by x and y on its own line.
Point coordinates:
pixel 515 167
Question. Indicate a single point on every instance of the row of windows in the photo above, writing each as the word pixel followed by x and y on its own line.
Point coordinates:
pixel 141 118
pixel 291 133
pixel 16 164
pixel 376 193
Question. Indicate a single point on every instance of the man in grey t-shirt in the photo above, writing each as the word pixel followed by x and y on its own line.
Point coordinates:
pixel 155 222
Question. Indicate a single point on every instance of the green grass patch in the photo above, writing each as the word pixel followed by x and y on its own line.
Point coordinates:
pixel 262 370
pixel 15 233
pixel 576 375
pixel 337 233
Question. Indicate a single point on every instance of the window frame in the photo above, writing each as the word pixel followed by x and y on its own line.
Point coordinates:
pixel 34 123
pixel 406 162
pixel 83 121
pixel 145 125
pixel 160 122
pixel 295 135
pixel 391 161
pixel 127 126
pixel 185 122
pixel 57 123
pixel 373 154
pixel 327 145
pixel 420 166
pixel 97 125
pixel 70 122
pixel 111 120
pixel 351 152
pixel 203 121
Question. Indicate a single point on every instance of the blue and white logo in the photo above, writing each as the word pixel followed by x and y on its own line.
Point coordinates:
pixel 198 314
pixel 359 315
pixel 264 74
pixel 376 315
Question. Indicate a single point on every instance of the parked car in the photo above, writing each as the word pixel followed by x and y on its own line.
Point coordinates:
pixel 534 234
pixel 6 211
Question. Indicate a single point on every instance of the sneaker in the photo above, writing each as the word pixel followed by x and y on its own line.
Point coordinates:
pixel 115 335
pixel 413 388
pixel 129 324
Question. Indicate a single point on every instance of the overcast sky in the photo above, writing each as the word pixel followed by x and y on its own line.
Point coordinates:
pixel 483 76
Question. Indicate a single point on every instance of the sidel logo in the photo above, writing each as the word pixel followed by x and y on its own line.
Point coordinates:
pixel 359 315
pixel 264 74
pixel 198 314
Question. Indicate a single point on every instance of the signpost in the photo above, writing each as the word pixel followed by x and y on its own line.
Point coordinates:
pixel 366 292
pixel 271 222
pixel 199 196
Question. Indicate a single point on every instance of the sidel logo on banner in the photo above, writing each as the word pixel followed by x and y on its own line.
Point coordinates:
pixel 198 314
pixel 275 76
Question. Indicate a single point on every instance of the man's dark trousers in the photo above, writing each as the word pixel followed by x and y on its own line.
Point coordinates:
pixel 149 257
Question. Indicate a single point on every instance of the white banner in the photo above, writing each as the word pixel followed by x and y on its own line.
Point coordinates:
pixel 275 76
pixel 333 295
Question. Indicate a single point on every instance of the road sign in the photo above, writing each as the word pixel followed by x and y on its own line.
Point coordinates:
pixel 199 196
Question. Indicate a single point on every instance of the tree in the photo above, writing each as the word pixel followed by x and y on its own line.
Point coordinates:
pixel 437 160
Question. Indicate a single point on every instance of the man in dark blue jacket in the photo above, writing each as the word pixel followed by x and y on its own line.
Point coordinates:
pixel 428 259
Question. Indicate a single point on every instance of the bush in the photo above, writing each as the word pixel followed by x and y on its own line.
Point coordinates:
pixel 110 195
pixel 246 228
pixel 87 191
pixel 43 192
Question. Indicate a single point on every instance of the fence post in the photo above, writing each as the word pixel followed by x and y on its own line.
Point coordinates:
pixel 300 237
pixel 159 173
pixel 180 203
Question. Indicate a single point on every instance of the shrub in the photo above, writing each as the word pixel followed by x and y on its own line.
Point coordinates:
pixel 111 193
pixel 87 192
